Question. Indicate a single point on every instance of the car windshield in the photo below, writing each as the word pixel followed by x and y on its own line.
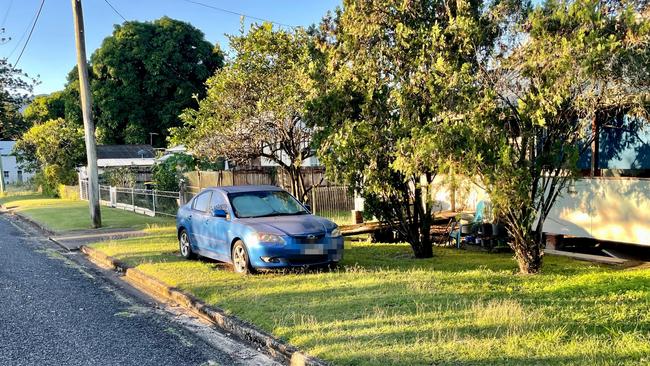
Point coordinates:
pixel 265 203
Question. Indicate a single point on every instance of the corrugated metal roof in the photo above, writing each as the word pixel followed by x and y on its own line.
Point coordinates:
pixel 124 151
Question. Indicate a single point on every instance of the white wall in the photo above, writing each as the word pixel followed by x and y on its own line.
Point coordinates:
pixel 612 209
pixel 607 208
pixel 9 164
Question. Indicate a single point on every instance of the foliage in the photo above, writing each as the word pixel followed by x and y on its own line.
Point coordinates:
pixel 44 108
pixel 169 173
pixel 457 308
pixel 255 105
pixel 397 75
pixel 577 63
pixel 15 90
pixel 143 76
pixel 120 176
pixel 52 149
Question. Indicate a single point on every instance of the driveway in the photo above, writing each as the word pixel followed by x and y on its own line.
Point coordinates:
pixel 57 309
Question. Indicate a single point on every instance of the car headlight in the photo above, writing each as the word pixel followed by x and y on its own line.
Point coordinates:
pixel 265 238
pixel 335 233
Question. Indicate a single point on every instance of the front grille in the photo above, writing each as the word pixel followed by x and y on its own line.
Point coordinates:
pixel 310 239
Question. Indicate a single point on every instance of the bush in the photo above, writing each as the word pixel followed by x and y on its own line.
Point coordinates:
pixel 68 192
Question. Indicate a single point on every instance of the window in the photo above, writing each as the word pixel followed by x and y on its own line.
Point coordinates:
pixel 218 201
pixel 20 176
pixel 265 203
pixel 201 202
pixel 6 174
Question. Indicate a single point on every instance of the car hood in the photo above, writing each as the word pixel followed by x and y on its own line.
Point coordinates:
pixel 290 225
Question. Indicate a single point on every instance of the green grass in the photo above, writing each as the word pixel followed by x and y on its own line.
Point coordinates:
pixel 460 308
pixel 61 215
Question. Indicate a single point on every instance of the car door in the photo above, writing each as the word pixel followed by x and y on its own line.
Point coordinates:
pixel 217 227
pixel 200 207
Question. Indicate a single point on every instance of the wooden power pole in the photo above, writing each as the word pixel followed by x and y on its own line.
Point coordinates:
pixel 86 108
pixel 2 175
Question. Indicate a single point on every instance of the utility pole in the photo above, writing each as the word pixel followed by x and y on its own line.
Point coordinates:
pixel 2 175
pixel 86 108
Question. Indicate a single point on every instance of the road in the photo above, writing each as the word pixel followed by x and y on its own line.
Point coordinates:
pixel 57 309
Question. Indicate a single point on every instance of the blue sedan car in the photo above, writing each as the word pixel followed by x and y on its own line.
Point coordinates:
pixel 256 227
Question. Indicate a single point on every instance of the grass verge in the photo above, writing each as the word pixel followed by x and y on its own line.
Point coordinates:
pixel 385 308
pixel 61 215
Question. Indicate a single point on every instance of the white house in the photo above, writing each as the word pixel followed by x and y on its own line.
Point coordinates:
pixel 12 173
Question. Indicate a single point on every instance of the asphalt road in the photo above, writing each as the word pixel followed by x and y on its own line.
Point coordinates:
pixel 56 310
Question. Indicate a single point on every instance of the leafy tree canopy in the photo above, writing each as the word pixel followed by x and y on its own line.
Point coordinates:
pixel 44 108
pixel 144 75
pixel 397 74
pixel 15 90
pixel 569 65
pixel 255 105
pixel 53 149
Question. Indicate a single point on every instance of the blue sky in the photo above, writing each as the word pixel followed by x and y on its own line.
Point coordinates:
pixel 51 52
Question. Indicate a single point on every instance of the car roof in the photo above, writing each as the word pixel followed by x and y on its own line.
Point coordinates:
pixel 239 189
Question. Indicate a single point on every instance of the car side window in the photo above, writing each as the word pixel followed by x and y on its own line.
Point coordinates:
pixel 202 201
pixel 218 201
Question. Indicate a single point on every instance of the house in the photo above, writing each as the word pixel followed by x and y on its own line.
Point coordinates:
pixel 125 156
pixel 12 172
pixel 139 158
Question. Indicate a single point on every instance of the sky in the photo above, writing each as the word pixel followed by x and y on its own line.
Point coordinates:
pixel 50 53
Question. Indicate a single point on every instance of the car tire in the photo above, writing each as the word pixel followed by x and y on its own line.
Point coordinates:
pixel 185 246
pixel 240 262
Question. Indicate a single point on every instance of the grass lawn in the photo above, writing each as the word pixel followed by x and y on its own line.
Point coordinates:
pixel 461 307
pixel 64 215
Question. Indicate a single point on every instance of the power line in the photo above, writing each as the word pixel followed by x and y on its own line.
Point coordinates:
pixel 115 10
pixel 29 37
pixel 237 13
pixel 20 40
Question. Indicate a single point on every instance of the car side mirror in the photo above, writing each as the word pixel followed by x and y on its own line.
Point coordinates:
pixel 218 212
pixel 308 207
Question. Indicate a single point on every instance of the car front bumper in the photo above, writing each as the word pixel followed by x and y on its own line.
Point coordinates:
pixel 294 254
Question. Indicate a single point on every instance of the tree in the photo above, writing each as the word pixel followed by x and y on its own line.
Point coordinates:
pixel 144 75
pixel 168 174
pixel 570 63
pixel 44 108
pixel 255 105
pixel 16 88
pixel 53 150
pixel 398 73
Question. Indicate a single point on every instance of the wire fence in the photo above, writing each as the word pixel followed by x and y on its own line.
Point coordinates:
pixel 149 202
pixel 333 202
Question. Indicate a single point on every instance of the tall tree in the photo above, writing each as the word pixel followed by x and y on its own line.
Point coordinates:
pixel 569 64
pixel 397 74
pixel 53 150
pixel 44 108
pixel 15 90
pixel 255 105
pixel 145 74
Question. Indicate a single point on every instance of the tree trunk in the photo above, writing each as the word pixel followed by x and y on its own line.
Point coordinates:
pixel 528 253
pixel 424 247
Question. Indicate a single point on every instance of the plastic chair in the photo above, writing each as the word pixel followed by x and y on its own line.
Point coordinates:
pixel 458 230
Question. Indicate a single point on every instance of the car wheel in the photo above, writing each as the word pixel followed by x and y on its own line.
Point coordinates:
pixel 185 245
pixel 240 262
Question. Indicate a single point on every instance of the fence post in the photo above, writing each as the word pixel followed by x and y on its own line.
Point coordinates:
pixel 153 200
pixel 133 198
pixel 313 200
pixel 181 193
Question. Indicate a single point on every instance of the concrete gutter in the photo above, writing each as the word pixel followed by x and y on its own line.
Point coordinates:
pixel 228 323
